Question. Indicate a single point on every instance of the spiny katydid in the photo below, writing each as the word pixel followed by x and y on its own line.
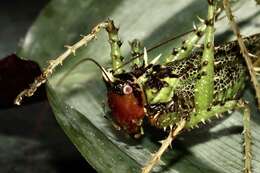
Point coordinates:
pixel 189 87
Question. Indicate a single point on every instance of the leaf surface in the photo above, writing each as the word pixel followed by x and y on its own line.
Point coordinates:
pixel 77 98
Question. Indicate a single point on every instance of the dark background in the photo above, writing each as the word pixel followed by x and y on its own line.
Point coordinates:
pixel 30 138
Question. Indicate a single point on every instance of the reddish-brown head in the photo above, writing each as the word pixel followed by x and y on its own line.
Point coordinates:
pixel 126 101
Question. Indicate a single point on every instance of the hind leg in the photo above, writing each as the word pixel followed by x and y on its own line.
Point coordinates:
pixel 247 137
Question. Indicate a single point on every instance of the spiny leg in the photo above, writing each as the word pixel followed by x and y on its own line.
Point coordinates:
pixel 178 53
pixel 208 55
pixel 194 120
pixel 247 56
pixel 205 85
pixel 204 116
pixel 188 45
pixel 136 51
pixel 213 111
pixel 216 110
pixel 247 137
pixel 115 54
pixel 165 144
pixel 115 44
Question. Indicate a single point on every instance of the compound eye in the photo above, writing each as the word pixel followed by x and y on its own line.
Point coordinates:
pixel 127 89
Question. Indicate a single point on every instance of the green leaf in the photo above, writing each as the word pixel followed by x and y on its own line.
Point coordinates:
pixel 77 98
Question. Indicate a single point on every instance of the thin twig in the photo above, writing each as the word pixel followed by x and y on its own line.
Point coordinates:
pixel 243 49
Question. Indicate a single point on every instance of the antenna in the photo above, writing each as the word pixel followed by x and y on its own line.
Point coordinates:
pixel 156 46
pixel 108 77
pixel 169 40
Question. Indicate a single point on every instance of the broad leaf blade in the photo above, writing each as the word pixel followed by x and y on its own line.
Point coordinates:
pixel 90 140
pixel 77 98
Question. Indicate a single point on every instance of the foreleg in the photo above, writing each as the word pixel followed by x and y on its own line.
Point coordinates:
pixel 115 44
pixel 247 137
pixel 205 85
pixel 165 144
pixel 115 54
pixel 188 45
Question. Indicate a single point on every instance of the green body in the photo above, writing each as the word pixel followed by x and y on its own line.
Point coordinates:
pixel 174 96
pixel 192 83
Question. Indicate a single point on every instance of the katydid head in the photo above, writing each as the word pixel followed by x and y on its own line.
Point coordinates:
pixel 126 101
